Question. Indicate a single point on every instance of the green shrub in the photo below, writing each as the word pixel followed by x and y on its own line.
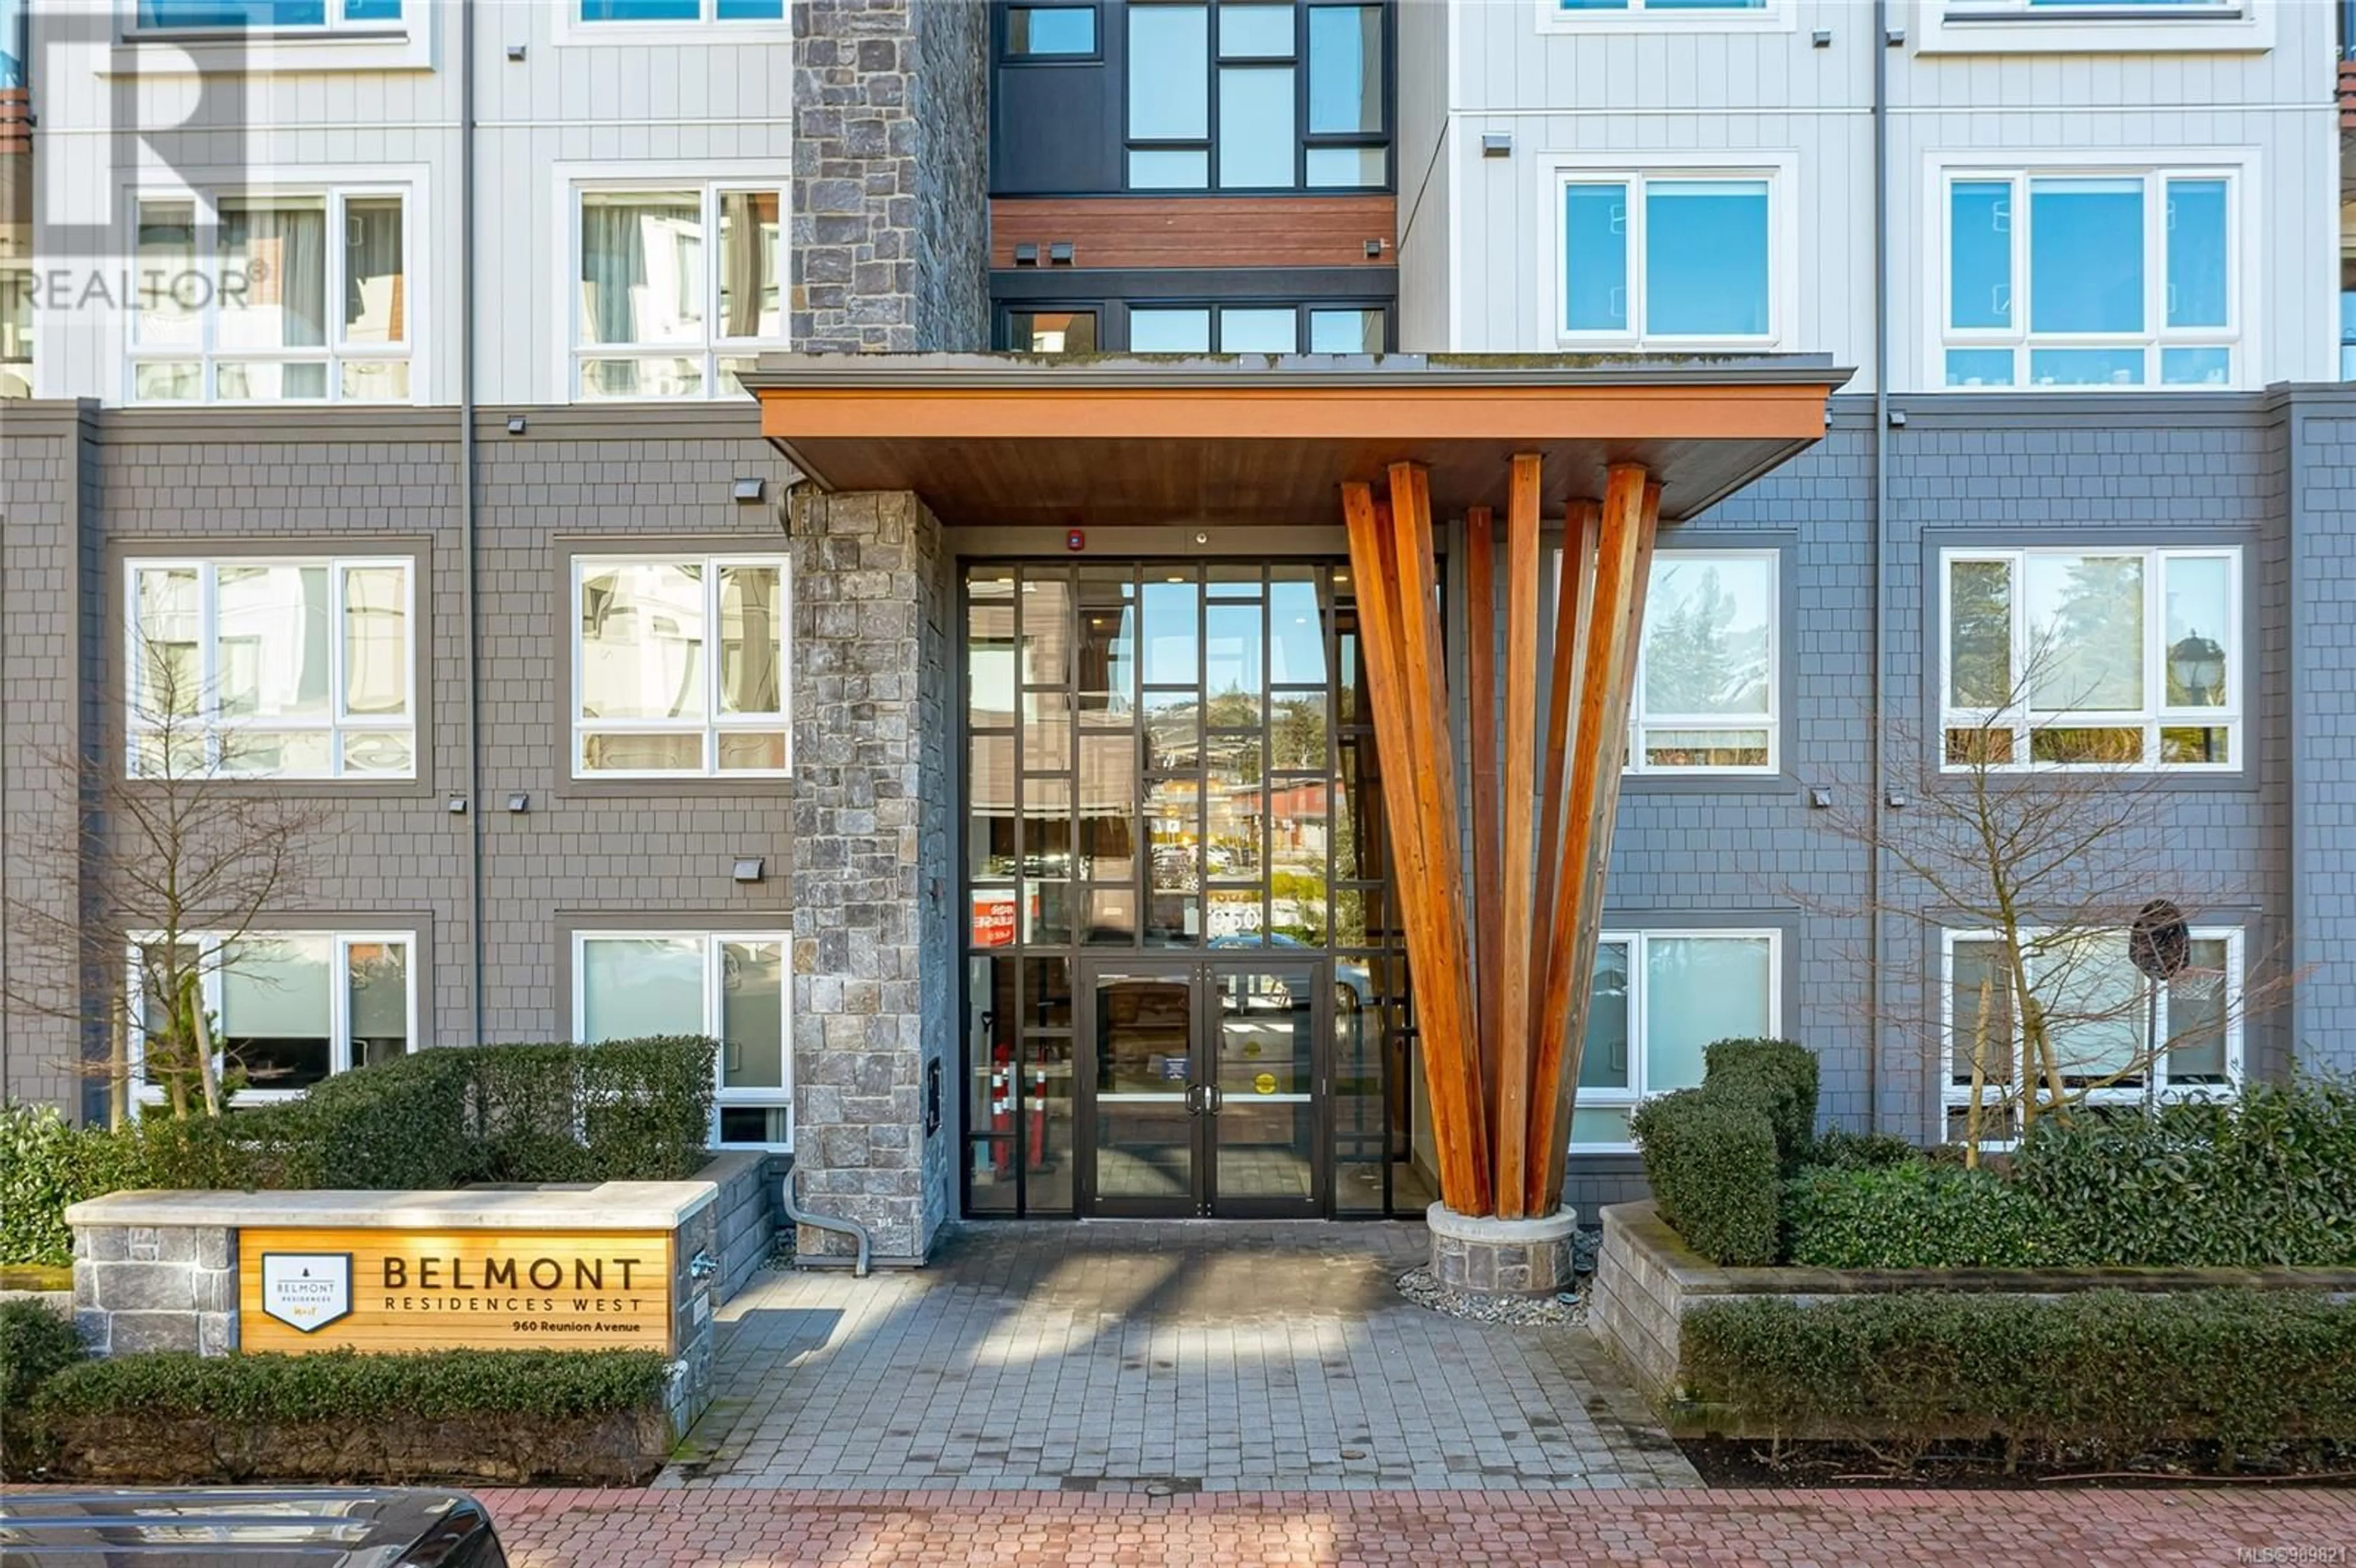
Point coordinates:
pixel 41 1162
pixel 1840 1149
pixel 46 1165
pixel 648 1106
pixel 1712 1161
pixel 35 1344
pixel 398 1124
pixel 2267 1178
pixel 1783 1073
pixel 2108 1373
pixel 347 1386
pixel 1917 1215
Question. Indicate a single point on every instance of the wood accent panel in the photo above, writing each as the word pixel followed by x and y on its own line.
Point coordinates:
pixel 568 1290
pixel 1150 231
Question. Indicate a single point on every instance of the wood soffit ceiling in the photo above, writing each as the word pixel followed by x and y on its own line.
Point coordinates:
pixel 1010 440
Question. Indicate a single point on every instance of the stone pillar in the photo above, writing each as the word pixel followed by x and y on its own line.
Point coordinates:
pixel 1500 1257
pixel 146 1287
pixel 890 232
pixel 874 885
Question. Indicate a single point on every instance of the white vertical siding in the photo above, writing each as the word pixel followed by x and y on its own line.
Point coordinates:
pixel 1426 170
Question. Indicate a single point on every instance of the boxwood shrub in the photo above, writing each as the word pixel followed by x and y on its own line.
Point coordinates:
pixel 35 1344
pixel 1782 1074
pixel 1914 1215
pixel 1712 1165
pixel 2107 1374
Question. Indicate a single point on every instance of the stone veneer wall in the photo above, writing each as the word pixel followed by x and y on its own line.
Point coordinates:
pixel 890 218
pixel 874 983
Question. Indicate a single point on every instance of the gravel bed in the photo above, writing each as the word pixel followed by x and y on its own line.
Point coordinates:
pixel 1418 1285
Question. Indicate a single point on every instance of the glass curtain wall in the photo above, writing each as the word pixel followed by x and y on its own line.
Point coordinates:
pixel 1178 758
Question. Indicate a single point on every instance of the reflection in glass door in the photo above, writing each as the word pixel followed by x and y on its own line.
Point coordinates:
pixel 1205 1097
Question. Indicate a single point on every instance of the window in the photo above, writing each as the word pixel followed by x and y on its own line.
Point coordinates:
pixel 729 986
pixel 1658 997
pixel 679 667
pixel 1051 331
pixel 288 1007
pixel 244 298
pixel 2101 1022
pixel 2104 657
pixel 1659 6
pixel 1258 329
pixel 331 16
pixel 2091 279
pixel 1252 96
pixel 1041 32
pixel 661 315
pixel 1661 258
pixel 1707 681
pixel 291 668
pixel 1657 16
pixel 664 11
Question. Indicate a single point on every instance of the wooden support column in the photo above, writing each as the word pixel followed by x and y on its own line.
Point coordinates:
pixel 1481 708
pixel 1509 954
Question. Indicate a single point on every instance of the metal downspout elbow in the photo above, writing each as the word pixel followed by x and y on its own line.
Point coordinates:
pixel 850 1227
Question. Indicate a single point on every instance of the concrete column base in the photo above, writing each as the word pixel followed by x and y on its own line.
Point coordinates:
pixel 1500 1257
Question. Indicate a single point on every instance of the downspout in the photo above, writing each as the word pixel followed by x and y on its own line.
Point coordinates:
pixel 468 458
pixel 852 1228
pixel 1875 616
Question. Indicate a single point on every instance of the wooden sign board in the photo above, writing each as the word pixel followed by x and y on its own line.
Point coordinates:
pixel 405 1290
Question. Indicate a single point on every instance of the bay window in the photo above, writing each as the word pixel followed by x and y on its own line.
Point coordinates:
pixel 1658 997
pixel 271 298
pixel 727 986
pixel 2105 1025
pixel 271 668
pixel 679 667
pixel 2087 279
pixel 2092 656
pixel 1665 258
pixel 288 1009
pixel 660 314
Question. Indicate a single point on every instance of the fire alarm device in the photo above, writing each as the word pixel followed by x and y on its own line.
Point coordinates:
pixel 1076 539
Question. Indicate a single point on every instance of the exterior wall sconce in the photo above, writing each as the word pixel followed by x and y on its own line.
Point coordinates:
pixel 750 490
pixel 1497 144
pixel 520 803
pixel 749 868
pixel 1897 39
pixel 1820 799
pixel 1026 254
pixel 516 425
pixel 1374 250
pixel 1059 253
pixel 1823 39
pixel 515 52
pixel 458 805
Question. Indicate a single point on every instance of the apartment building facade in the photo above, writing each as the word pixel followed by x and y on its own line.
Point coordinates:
pixel 621 727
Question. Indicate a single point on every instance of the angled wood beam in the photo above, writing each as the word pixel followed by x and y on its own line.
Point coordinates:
pixel 1397 618
pixel 1481 705
pixel 1632 504
pixel 1507 954
pixel 1574 583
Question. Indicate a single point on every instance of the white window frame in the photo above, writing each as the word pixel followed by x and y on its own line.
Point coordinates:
pixel 336 725
pixel 334 352
pixel 1649 16
pixel 716 346
pixel 1640 1013
pixel 1640 722
pixel 405 44
pixel 713 941
pixel 571 30
pixel 2238 336
pixel 1955 1096
pixel 339 1001
pixel 2155 714
pixel 2093 28
pixel 713 722
pixel 1778 172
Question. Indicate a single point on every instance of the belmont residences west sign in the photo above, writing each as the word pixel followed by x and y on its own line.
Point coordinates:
pixel 397 1290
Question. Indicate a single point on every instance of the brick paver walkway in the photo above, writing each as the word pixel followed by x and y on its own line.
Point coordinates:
pixel 746 1528
pixel 1140 1358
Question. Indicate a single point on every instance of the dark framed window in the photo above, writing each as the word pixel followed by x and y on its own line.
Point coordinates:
pixel 1180 325
pixel 1049 32
pixel 1250 95
pixel 1048 331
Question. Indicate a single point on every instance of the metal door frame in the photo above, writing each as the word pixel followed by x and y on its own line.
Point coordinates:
pixel 1199 972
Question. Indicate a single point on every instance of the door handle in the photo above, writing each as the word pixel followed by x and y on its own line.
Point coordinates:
pixel 1217 1096
pixel 1194 1099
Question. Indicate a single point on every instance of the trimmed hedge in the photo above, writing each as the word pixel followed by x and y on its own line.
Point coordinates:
pixel 585 1415
pixel 35 1344
pixel 2108 1373
pixel 2267 1180
pixel 1716 1155
pixel 1916 1215
pixel 628 1110
pixel 1712 1165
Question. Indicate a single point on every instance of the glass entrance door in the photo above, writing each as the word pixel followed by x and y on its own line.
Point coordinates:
pixel 1206 1091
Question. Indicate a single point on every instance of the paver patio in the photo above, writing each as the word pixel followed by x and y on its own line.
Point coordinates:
pixel 742 1529
pixel 1158 1357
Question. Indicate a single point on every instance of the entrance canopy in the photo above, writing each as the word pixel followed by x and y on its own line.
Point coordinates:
pixel 1263 440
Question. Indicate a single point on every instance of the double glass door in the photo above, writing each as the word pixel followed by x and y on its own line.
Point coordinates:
pixel 1205 1091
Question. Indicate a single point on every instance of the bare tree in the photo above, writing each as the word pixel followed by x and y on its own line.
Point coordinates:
pixel 2043 841
pixel 183 856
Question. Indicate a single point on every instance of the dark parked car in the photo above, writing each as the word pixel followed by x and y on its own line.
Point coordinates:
pixel 277 1526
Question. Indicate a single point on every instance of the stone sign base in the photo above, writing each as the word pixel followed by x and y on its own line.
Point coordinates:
pixel 1500 1257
